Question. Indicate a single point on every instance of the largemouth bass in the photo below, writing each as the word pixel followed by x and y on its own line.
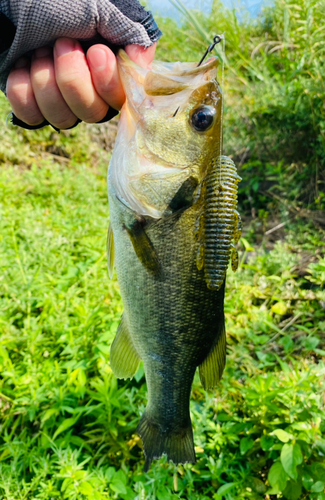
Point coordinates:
pixel 173 219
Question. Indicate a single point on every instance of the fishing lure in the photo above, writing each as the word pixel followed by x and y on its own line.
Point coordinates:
pixel 219 226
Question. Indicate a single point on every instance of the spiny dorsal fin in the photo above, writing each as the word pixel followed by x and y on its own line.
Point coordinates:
pixel 110 251
pixel 212 367
pixel 144 249
pixel 124 358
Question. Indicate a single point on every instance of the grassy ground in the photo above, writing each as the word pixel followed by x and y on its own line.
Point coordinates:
pixel 67 426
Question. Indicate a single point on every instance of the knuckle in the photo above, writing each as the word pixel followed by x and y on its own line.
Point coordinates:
pixel 63 123
pixel 70 82
pixel 94 115
pixel 31 118
pixel 17 93
pixel 43 79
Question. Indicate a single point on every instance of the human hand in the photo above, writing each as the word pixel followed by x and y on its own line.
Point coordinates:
pixel 63 84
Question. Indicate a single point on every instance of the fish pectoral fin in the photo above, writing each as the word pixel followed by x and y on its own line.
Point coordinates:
pixel 110 251
pixel 212 367
pixel 144 248
pixel 124 358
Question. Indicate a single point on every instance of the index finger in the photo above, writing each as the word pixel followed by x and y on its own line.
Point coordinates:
pixel 104 71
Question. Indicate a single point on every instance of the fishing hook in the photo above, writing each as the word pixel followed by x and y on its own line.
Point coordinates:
pixel 216 39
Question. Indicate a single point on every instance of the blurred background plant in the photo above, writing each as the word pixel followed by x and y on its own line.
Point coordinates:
pixel 67 426
pixel 274 96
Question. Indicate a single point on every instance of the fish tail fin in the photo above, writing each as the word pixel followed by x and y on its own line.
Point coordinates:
pixel 177 445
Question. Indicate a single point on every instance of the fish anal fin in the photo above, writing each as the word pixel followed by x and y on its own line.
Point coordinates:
pixel 212 367
pixel 144 248
pixel 124 358
pixel 177 445
pixel 110 251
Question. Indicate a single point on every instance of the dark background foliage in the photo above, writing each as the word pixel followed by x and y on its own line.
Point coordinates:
pixel 67 426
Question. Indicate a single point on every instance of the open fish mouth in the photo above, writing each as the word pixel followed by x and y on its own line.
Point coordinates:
pixel 156 124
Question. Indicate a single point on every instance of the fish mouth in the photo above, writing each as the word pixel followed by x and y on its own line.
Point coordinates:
pixel 156 148
pixel 165 78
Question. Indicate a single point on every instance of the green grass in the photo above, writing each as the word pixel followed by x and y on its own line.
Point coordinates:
pixel 274 94
pixel 67 426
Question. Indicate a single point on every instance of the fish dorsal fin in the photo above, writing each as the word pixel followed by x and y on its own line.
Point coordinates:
pixel 124 358
pixel 144 248
pixel 110 251
pixel 212 367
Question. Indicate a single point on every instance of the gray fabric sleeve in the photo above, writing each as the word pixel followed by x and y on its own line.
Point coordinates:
pixel 28 24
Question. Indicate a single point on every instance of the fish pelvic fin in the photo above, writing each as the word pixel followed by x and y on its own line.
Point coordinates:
pixel 178 444
pixel 212 367
pixel 110 251
pixel 144 249
pixel 124 358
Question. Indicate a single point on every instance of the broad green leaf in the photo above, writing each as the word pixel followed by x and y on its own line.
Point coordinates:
pixel 163 494
pixel 48 414
pixel 66 483
pixel 320 444
pixel 66 424
pixel 246 444
pixel 307 481
pixel 266 442
pixel 318 487
pixel 277 477
pixel 120 475
pixel 282 435
pixel 6 452
pixel 287 343
pixel 129 495
pixel 117 486
pixel 301 426
pixel 292 491
pixel 140 373
pixel 317 471
pixel 105 349
pixel 109 474
pixel 291 456
pixel 118 482
pixel 85 488
pixel 82 377
pixel 225 488
pixel 258 485
pixel 311 343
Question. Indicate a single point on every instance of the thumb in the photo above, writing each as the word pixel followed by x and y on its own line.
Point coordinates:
pixel 140 55
pixel 104 72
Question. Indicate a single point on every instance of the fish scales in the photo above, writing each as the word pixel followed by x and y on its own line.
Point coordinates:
pixel 159 215
pixel 191 313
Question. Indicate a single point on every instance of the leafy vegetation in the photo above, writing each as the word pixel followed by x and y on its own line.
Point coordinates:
pixel 67 426
pixel 275 92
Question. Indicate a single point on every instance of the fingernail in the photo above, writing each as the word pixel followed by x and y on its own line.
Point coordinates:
pixel 97 59
pixel 42 52
pixel 64 46
pixel 23 62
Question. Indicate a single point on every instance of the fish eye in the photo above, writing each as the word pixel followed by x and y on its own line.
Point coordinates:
pixel 203 117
